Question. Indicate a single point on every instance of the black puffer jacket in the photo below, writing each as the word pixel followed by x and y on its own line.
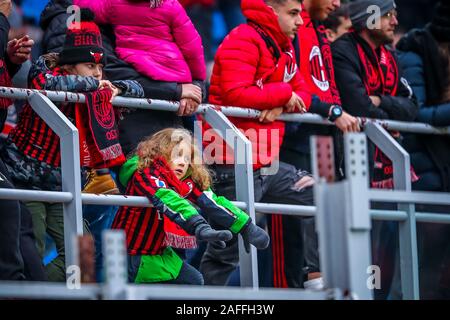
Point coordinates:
pixel 137 124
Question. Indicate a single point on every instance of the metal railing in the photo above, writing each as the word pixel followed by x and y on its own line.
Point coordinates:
pixel 375 129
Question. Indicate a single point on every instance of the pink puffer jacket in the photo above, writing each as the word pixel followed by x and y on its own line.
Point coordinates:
pixel 160 43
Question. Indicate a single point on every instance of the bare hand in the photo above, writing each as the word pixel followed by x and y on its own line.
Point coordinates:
pixel 295 104
pixel 376 101
pixel 187 107
pixel 5 7
pixel 305 182
pixel 19 51
pixel 347 123
pixel 191 91
pixel 271 115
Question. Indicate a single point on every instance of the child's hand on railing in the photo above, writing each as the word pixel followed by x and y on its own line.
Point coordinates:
pixel 106 84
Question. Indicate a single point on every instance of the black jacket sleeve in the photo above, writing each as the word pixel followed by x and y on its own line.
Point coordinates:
pixel 4 31
pixel 403 106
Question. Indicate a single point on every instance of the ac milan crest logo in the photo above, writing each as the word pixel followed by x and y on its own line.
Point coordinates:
pixel 104 114
pixel 97 56
pixel 318 73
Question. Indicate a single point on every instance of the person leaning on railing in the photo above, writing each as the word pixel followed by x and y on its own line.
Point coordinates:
pixel 255 67
pixel 371 85
pixel 19 259
pixel 315 64
pixel 368 78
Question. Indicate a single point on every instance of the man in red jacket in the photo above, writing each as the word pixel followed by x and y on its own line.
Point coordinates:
pixel 255 68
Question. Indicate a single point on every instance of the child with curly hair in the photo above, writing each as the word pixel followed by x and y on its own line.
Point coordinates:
pixel 167 170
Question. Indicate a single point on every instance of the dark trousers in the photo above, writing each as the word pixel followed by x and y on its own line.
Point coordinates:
pixel 33 267
pixel 11 263
pixel 19 258
pixel 217 264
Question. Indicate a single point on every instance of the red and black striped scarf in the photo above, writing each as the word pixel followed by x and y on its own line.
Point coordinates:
pixel 381 78
pixel 379 67
pixel 176 237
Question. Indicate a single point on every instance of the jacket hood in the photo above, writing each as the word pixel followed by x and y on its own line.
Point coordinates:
pixel 53 9
pixel 127 170
pixel 258 12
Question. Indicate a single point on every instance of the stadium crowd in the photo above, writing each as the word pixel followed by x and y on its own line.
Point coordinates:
pixel 380 59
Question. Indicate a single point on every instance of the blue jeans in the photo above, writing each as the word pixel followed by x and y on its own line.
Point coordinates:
pixel 99 218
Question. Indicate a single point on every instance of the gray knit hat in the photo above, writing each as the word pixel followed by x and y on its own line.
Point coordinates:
pixel 360 11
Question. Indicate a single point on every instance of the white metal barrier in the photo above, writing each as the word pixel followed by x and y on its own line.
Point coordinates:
pixel 355 188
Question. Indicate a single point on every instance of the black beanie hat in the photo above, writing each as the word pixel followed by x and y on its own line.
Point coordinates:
pixel 440 24
pixel 83 42
pixel 358 11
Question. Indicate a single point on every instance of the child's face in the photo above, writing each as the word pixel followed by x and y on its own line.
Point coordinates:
pixel 88 69
pixel 181 159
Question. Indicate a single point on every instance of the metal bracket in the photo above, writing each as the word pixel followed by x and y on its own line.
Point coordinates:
pixel 115 264
pixel 356 172
pixel 323 162
pixel 70 170
pixel 409 265
pixel 244 186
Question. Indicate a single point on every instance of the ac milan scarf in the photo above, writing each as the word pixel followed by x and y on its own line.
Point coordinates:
pixel 381 78
pixel 176 237
pixel 99 134
pixel 327 57
pixel 5 81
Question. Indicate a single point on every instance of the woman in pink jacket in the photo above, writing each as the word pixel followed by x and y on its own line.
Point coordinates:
pixel 155 36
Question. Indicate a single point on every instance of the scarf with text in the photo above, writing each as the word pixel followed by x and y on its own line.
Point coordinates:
pixel 99 134
pixel 327 57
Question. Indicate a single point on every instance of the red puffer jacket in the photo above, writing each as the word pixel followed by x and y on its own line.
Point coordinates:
pixel 247 74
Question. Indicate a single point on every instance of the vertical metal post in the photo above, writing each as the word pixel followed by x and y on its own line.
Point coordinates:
pixel 343 221
pixel 70 170
pixel 359 223
pixel 407 229
pixel 244 186
pixel 115 264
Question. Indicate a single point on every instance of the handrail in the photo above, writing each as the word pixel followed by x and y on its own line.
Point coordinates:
pixel 163 105
pixel 72 198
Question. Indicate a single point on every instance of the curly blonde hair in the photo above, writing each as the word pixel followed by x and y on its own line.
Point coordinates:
pixel 162 143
